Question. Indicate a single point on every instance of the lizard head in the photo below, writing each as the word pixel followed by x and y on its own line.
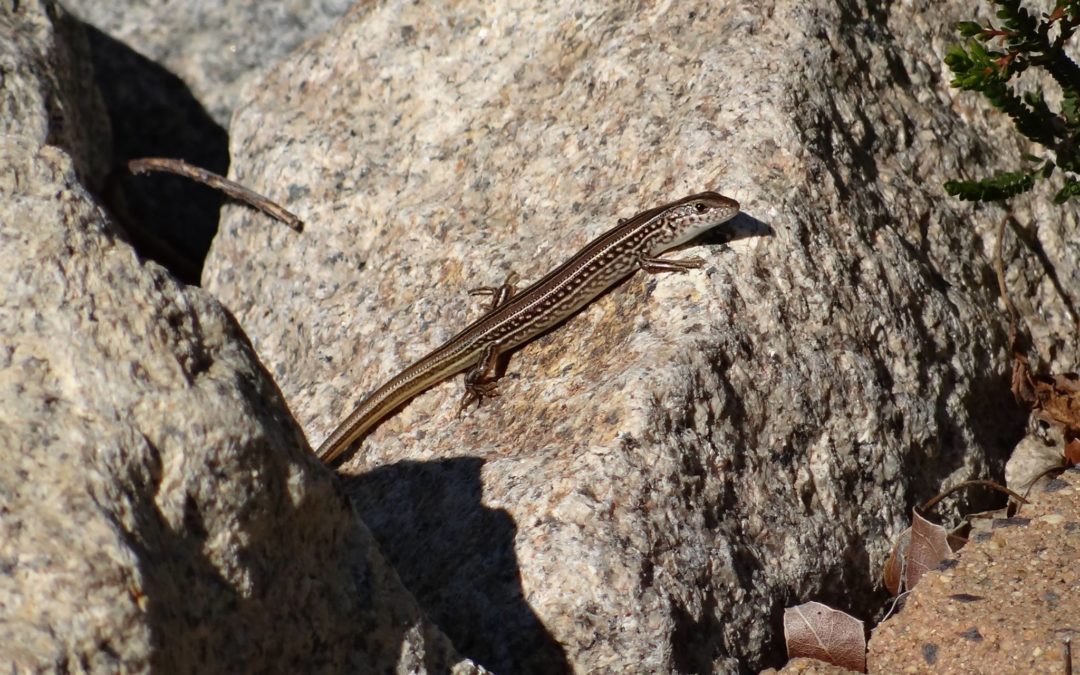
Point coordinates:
pixel 690 216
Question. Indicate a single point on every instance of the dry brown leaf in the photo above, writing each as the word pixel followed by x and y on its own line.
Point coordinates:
pixel 929 548
pixel 1072 451
pixel 1059 398
pixel 816 631
pixel 893 574
pixel 1023 386
pixel 1054 399
pixel 918 549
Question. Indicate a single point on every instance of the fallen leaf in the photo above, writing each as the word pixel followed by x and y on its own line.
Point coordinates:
pixel 816 631
pixel 1053 399
pixel 1058 397
pixel 929 548
pixel 919 549
pixel 1072 451
pixel 893 574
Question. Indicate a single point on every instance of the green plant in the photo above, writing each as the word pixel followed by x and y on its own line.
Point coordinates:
pixel 1025 42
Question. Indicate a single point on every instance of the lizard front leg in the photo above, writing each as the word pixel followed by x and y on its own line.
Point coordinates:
pixel 656 265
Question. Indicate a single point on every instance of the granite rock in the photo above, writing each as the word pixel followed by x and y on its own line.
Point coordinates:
pixel 671 467
pixel 170 74
pixel 159 508
pixel 214 46
pixel 47 90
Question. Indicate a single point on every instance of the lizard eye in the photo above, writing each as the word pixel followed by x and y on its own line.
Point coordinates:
pixel 700 207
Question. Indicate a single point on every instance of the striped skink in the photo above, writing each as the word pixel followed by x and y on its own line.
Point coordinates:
pixel 514 319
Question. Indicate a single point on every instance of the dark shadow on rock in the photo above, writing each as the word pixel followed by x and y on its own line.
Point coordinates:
pixel 154 114
pixel 742 226
pixel 457 557
pixel 344 619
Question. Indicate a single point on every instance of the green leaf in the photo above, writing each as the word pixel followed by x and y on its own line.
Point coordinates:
pixel 957 59
pixel 988 62
pixel 968 29
pixel 1069 108
pixel 978 51
pixel 1067 192
pixel 1001 186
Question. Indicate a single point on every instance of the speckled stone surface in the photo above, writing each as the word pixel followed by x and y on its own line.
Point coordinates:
pixel 1005 606
pixel 803 666
pixel 214 46
pixel 669 469
pixel 47 92
pixel 159 510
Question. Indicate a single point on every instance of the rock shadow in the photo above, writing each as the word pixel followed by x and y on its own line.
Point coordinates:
pixel 457 557
pixel 153 113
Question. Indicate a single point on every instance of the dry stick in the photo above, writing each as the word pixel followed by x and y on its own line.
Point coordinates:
pixel 1021 371
pixel 896 599
pixel 1044 473
pixel 985 483
pixel 230 188
pixel 999 269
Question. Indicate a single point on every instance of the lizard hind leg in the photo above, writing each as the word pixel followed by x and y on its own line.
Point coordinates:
pixel 480 379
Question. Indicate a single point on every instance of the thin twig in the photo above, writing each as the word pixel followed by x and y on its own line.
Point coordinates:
pixel 1021 384
pixel 985 483
pixel 895 601
pixel 999 269
pixel 1045 473
pixel 230 188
